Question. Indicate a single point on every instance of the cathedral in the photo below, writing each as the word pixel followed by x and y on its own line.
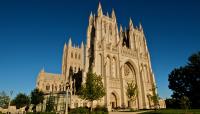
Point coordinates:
pixel 118 55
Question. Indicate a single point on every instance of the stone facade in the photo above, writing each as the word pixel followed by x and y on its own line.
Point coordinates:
pixel 118 55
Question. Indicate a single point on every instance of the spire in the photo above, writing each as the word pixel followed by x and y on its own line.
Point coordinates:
pixel 130 24
pixel 100 12
pixel 65 46
pixel 42 70
pixel 113 14
pixel 82 44
pixel 70 42
pixel 121 29
pixel 140 26
pixel 107 14
pixel 91 15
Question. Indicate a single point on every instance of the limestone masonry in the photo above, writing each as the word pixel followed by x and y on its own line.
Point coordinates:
pixel 119 56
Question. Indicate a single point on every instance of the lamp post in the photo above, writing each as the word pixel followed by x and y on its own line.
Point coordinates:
pixel 67 90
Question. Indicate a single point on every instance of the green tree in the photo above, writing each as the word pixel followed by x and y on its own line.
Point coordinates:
pixel 21 100
pixel 131 92
pixel 37 97
pixel 185 81
pixel 4 100
pixel 50 103
pixel 93 89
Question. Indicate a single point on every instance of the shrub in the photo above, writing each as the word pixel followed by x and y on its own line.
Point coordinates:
pixel 101 108
pixel 79 110
pixel 84 110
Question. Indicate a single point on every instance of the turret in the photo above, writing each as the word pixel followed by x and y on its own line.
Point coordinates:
pixel 113 15
pixel 100 12
pixel 131 25
pixel 42 70
pixel 107 14
pixel 70 42
pixel 91 18
pixel 140 27
pixel 121 29
pixel 82 45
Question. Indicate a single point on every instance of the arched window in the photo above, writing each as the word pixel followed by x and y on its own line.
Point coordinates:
pixel 60 88
pixel 75 55
pixel 47 87
pixel 72 55
pixel 52 87
pixel 55 88
pixel 79 56
pixel 110 29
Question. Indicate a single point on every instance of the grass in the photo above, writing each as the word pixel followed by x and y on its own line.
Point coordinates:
pixel 174 111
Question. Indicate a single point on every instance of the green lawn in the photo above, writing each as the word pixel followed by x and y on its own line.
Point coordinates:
pixel 174 111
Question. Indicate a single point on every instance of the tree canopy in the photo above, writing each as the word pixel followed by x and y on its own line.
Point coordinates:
pixel 4 100
pixel 21 100
pixel 185 81
pixel 37 97
pixel 93 89
pixel 131 91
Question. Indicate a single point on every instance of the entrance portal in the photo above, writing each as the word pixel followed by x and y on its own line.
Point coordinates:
pixel 113 100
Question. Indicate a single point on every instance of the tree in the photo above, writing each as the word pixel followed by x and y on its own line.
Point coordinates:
pixel 93 88
pixel 4 100
pixel 37 97
pixel 184 103
pixel 131 91
pixel 185 81
pixel 172 103
pixel 50 103
pixel 21 100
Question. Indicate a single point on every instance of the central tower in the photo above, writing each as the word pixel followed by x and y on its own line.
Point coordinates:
pixel 119 57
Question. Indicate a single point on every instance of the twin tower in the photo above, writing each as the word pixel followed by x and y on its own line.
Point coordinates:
pixel 118 55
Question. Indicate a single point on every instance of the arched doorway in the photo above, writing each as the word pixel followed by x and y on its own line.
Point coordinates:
pixel 113 100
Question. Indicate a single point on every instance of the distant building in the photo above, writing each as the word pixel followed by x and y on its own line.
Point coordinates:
pixel 118 55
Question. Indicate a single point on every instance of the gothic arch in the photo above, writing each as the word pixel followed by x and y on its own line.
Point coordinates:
pixel 133 66
pixel 136 77
pixel 114 99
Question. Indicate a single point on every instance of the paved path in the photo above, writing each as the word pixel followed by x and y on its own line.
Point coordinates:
pixel 128 112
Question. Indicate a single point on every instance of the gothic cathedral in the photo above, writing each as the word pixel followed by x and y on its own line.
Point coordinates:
pixel 118 55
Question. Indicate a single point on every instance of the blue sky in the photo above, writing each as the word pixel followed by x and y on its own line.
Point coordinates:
pixel 33 33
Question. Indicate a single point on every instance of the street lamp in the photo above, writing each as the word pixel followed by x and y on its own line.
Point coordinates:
pixel 67 90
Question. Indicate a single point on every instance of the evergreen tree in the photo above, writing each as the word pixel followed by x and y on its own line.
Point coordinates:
pixel 21 100
pixel 37 97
